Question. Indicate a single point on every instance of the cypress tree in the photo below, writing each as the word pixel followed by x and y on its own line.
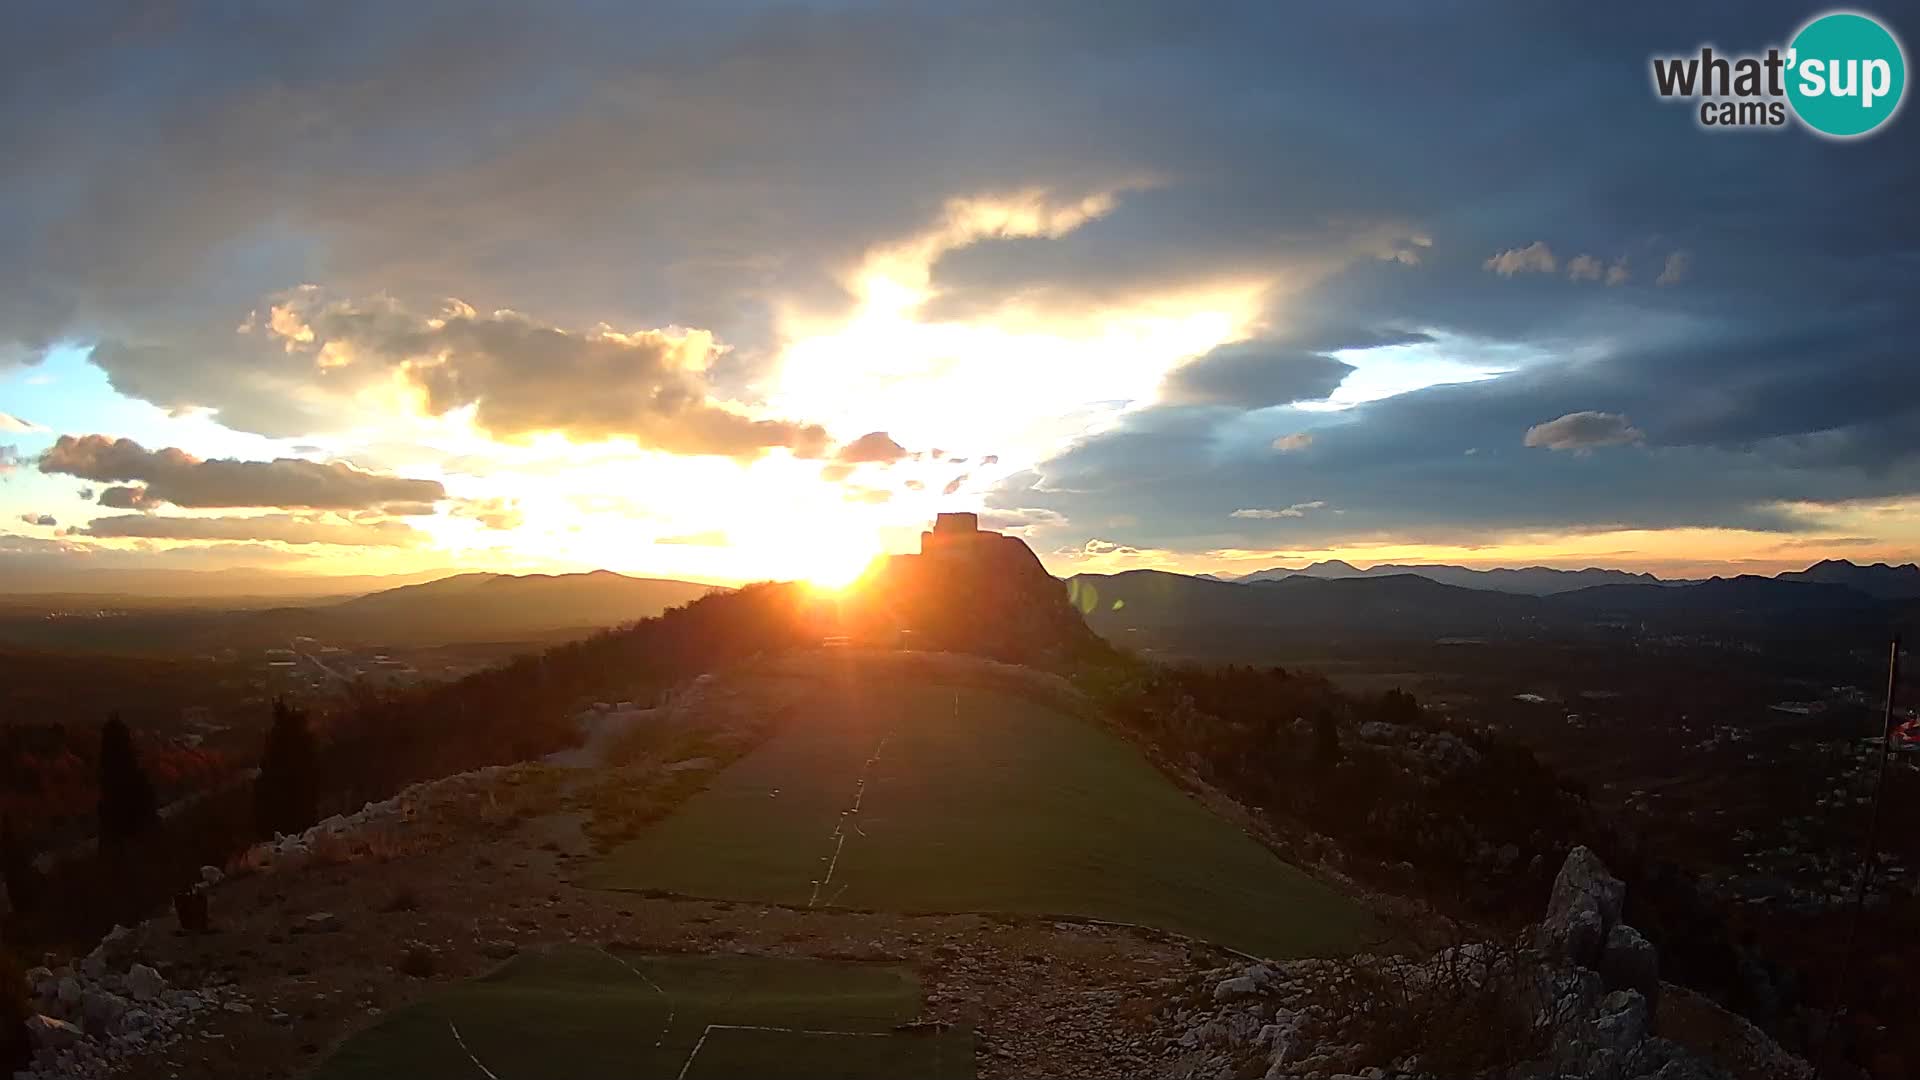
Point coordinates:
pixel 127 806
pixel 286 794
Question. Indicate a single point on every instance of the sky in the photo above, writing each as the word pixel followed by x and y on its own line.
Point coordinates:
pixel 741 291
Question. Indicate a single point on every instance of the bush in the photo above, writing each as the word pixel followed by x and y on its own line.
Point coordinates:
pixel 1466 1010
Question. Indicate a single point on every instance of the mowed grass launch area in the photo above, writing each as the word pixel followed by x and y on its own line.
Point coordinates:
pixel 895 793
pixel 588 1014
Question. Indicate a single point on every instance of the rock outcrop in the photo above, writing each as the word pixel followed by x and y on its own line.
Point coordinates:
pixel 1576 998
pixel 107 1007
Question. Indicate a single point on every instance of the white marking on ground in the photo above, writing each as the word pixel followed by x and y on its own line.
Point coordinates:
pixel 664 1028
pixel 484 1071
pixel 839 833
pixel 711 1028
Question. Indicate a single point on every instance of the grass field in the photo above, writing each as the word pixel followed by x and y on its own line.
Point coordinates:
pixel 587 1014
pixel 897 794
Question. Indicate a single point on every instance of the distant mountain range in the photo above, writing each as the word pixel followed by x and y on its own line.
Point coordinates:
pixel 1891 582
pixel 463 608
pixel 1530 580
pixel 1888 582
pixel 1376 604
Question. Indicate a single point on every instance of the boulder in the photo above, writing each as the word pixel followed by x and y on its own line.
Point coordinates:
pixel 1622 1023
pixel 68 991
pixel 144 983
pixel 1238 986
pixel 1583 908
pixel 118 942
pixel 52 1034
pixel 1628 962
pixel 101 1011
pixel 320 922
pixel 211 876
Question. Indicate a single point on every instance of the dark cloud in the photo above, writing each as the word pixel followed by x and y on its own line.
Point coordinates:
pixel 1583 430
pixel 874 446
pixel 45 521
pixel 174 476
pixel 1254 375
pixel 277 528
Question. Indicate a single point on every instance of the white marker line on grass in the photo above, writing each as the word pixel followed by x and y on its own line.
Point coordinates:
pixel 711 1028
pixel 484 1071
pixel 664 1028
pixel 839 833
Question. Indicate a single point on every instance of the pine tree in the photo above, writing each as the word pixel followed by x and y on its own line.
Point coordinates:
pixel 127 806
pixel 16 866
pixel 286 795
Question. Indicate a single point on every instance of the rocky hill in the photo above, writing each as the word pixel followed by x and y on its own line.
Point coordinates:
pixel 975 592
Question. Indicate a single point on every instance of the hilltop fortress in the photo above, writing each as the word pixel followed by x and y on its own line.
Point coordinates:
pixel 973 590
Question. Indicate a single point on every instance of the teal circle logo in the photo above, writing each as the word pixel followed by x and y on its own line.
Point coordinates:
pixel 1846 74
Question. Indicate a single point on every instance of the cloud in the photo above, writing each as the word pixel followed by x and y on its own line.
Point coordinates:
pixel 834 472
pixel 174 476
pixel 1097 546
pixel 1535 258
pixel 1583 431
pixel 708 538
pixel 915 485
pixel 1021 521
pixel 492 513
pixel 1287 444
pixel 525 377
pixel 278 528
pixel 45 521
pixel 1585 268
pixel 9 459
pixel 874 446
pixel 1297 510
pixel 869 496
pixel 1256 375
pixel 953 485
pixel 990 459
pixel 129 498
pixel 1678 266
pixel 1618 274
pixel 15 425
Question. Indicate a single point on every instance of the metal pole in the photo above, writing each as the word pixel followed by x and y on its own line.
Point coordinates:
pixel 1868 855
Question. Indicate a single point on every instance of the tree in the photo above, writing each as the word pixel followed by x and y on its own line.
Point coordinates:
pixel 127 806
pixel 1326 737
pixel 16 866
pixel 286 795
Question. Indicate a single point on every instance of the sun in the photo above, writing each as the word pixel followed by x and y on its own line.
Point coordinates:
pixel 828 561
